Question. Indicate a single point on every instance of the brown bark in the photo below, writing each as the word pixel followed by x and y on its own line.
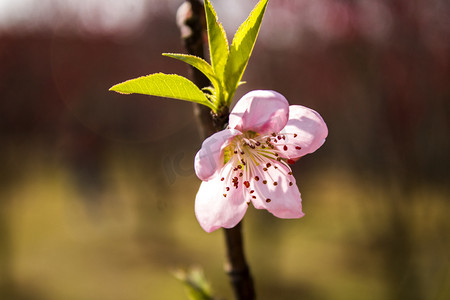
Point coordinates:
pixel 193 16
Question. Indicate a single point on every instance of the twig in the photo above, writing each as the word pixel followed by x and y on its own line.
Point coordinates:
pixel 192 15
pixel 237 267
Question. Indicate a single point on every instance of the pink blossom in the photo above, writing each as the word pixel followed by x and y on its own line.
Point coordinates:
pixel 249 161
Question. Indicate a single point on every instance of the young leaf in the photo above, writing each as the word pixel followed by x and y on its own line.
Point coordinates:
pixel 197 287
pixel 164 85
pixel 242 47
pixel 217 38
pixel 198 63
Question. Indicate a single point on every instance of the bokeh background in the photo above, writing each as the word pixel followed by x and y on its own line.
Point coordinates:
pixel 97 189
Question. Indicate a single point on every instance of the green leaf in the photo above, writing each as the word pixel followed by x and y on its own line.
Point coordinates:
pixel 241 48
pixel 217 38
pixel 198 63
pixel 164 85
pixel 197 287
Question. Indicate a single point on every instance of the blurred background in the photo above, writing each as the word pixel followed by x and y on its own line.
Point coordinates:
pixel 97 189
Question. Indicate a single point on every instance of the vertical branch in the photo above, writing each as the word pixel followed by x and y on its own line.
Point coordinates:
pixel 192 23
pixel 237 267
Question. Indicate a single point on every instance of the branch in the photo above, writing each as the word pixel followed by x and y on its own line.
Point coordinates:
pixel 191 20
pixel 237 267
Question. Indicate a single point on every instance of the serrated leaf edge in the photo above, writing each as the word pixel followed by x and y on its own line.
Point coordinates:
pixel 210 74
pixel 218 71
pixel 231 88
pixel 204 101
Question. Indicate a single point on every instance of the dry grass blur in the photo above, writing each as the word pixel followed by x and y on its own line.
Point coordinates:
pixel 126 242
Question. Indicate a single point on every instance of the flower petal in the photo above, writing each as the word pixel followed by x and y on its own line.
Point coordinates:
pixel 277 192
pixel 260 111
pixel 305 132
pixel 209 159
pixel 213 209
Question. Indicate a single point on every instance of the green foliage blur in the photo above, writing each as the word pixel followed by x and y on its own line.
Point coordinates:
pixel 97 189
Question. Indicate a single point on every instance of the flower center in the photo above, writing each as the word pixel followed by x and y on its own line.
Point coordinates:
pixel 255 162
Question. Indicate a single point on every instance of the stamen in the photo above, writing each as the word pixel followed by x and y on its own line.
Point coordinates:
pixel 235 182
pixel 256 154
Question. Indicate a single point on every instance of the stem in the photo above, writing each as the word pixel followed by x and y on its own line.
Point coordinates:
pixel 236 266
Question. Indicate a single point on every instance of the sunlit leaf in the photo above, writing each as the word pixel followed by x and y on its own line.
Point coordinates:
pixel 217 38
pixel 164 85
pixel 197 63
pixel 241 48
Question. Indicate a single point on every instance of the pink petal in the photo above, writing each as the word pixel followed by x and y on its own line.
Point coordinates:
pixel 305 132
pixel 209 159
pixel 260 111
pixel 214 210
pixel 277 192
